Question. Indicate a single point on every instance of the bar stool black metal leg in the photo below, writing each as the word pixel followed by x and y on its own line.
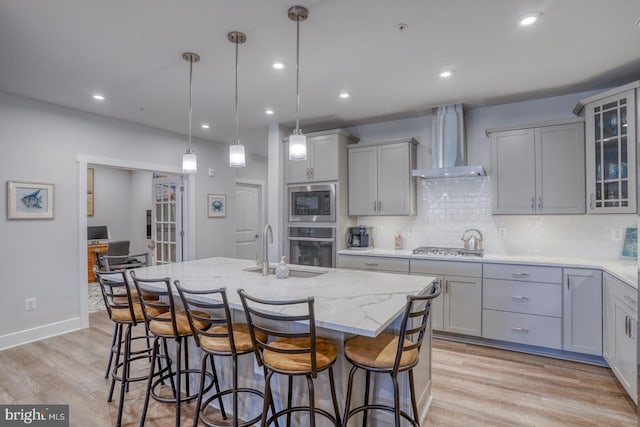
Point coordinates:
pixel 289 400
pixel 312 401
pixel 168 359
pixel 271 404
pixel 396 400
pixel 125 373
pixel 152 366
pixel 216 385
pixel 117 361
pixel 367 381
pixel 203 368
pixel 347 404
pixel 267 398
pixel 412 390
pixel 113 343
pixel 178 381
pixel 186 364
pixel 333 396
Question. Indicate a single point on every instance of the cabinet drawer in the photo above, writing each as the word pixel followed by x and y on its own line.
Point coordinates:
pixel 528 329
pixel 622 291
pixel 525 273
pixel 447 268
pixel 523 297
pixel 399 265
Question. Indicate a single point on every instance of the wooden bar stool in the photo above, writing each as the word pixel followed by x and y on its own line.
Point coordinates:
pixel 287 344
pixel 391 354
pixel 172 324
pixel 124 309
pixel 217 335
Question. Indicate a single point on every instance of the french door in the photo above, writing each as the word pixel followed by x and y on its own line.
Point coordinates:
pixel 167 227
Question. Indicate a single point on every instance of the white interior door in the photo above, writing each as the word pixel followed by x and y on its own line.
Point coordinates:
pixel 167 227
pixel 248 220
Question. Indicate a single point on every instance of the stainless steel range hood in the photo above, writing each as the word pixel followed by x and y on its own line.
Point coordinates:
pixel 449 149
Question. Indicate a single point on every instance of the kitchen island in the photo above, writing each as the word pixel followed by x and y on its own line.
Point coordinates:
pixel 347 302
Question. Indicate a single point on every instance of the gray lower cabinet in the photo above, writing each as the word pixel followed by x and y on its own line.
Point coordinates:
pixel 582 320
pixel 362 262
pixel 523 304
pixel 621 332
pixel 458 308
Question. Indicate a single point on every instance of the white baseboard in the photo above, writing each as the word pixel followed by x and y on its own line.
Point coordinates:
pixel 41 332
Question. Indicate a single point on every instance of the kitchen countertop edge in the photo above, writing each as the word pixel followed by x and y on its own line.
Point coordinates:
pixel 622 269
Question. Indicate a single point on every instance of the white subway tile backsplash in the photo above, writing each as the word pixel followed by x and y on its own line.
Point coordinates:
pixel 446 208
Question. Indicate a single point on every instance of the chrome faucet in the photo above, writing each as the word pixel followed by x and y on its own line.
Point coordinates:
pixel 268 233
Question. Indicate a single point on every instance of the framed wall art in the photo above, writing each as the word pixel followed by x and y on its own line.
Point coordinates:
pixel 29 200
pixel 217 205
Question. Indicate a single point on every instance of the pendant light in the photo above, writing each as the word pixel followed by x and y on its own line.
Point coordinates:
pixel 189 161
pixel 297 140
pixel 236 150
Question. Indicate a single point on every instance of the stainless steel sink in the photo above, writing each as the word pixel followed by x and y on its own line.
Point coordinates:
pixel 292 272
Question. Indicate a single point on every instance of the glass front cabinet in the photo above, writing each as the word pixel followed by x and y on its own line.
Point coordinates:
pixel 611 153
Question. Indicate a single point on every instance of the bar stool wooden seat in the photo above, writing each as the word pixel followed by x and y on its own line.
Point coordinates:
pixel 124 309
pixel 390 354
pixel 287 344
pixel 219 337
pixel 171 324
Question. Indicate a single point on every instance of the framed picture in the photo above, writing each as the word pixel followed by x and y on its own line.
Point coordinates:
pixel 90 179
pixel 630 247
pixel 217 205
pixel 29 200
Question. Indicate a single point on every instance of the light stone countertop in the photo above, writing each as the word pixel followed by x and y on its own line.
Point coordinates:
pixel 349 301
pixel 623 269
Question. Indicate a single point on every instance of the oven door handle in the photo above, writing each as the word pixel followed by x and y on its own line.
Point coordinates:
pixel 310 239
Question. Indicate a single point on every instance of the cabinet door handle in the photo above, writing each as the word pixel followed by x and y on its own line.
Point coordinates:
pixel 372 264
pixel 520 298
pixel 523 330
pixel 311 172
pixel 631 300
pixel 533 203
pixel 626 325
pixel 375 204
pixel 379 206
pixel 446 286
pixel 540 202
pixel 592 201
pixel 568 282
pixel 520 274
pixel 308 177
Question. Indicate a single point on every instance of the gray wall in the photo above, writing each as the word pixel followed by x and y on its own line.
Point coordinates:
pixel 41 142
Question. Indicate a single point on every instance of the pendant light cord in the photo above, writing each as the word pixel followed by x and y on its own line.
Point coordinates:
pixel 297 75
pixel 190 95
pixel 237 137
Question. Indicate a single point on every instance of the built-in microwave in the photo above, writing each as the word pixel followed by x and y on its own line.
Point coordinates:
pixel 313 203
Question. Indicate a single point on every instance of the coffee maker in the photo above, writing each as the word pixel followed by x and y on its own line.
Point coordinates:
pixel 360 237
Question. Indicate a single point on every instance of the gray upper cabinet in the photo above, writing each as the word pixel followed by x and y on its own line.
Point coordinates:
pixel 611 156
pixel 538 169
pixel 326 156
pixel 380 181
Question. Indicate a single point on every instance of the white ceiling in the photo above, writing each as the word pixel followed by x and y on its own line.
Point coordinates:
pixel 63 51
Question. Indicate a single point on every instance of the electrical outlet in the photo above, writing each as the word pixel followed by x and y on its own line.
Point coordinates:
pixel 30 304
pixel 616 234
pixel 502 232
pixel 211 172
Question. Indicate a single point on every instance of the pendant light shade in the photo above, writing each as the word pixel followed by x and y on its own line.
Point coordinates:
pixel 236 151
pixel 189 160
pixel 297 140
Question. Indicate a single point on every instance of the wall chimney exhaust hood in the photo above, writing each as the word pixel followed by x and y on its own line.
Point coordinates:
pixel 449 149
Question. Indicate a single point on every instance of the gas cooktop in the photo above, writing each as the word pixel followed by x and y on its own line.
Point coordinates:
pixel 439 251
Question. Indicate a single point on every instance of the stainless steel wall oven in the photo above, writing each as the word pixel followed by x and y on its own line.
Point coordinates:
pixel 314 246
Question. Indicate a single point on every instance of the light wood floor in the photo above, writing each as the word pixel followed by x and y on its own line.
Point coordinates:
pixel 472 386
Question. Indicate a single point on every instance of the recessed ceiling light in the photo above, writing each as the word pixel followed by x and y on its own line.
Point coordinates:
pixel 269 112
pixel 277 65
pixel 98 97
pixel 402 27
pixel 529 19
pixel 446 74
pixel 205 126
pixel 344 95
